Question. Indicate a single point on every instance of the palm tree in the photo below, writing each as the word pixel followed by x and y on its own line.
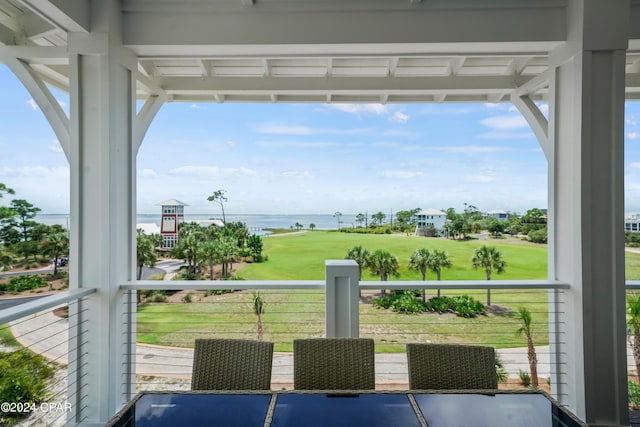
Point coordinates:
pixel 633 323
pixel 258 310
pixel 338 215
pixel 57 245
pixel 489 258
pixel 208 252
pixel 312 226
pixel 219 197
pixel 437 261
pixel 361 256
pixel 145 252
pixel 384 264
pixel 419 261
pixel 526 328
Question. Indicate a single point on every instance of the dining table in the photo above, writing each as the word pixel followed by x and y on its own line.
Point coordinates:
pixel 348 408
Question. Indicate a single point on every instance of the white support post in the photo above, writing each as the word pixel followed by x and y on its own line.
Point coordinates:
pixel 342 318
pixel 586 210
pixel 103 205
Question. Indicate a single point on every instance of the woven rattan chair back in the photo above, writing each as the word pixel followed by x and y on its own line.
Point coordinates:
pixel 451 367
pixel 231 364
pixel 334 364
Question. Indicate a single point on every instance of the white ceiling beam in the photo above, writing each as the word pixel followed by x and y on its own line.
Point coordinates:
pixel 69 15
pixel 7 36
pixel 277 84
pixel 267 67
pixel 204 67
pixel 393 66
pixel 156 26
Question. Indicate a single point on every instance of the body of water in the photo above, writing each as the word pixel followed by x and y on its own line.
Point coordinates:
pixel 253 221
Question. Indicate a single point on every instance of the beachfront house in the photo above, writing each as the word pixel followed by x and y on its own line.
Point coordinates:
pixel 430 219
pixel 499 214
pixel 632 222
pixel 568 66
pixel 172 217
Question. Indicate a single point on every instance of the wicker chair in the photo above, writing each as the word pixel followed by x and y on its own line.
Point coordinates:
pixel 334 364
pixel 231 364
pixel 451 367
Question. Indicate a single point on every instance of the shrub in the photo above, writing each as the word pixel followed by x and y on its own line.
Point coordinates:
pixel 525 378
pixel 502 374
pixel 466 306
pixel 538 236
pixel 437 304
pixel 634 395
pixel 462 306
pixel 409 302
pixel 406 303
pixel 187 298
pixel 25 283
pixel 23 380
pixel 158 296
pixel 383 303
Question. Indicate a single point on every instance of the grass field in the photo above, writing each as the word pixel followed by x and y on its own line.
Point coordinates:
pixel 302 256
pixel 298 313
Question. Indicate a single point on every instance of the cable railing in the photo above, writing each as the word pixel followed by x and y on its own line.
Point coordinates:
pixel 161 332
pixel 40 362
pixel 168 325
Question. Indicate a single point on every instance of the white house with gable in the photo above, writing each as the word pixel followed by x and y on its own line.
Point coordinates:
pixel 430 218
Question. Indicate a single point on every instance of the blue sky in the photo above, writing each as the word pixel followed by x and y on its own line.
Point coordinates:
pixel 308 158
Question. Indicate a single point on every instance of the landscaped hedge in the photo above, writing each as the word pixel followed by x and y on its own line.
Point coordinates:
pixel 408 302
pixel 23 283
pixel 23 380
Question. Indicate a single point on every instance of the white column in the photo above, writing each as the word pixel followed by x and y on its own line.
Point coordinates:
pixel 103 206
pixel 586 207
pixel 342 316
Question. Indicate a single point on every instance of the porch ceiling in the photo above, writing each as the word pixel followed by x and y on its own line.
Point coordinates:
pixel 311 50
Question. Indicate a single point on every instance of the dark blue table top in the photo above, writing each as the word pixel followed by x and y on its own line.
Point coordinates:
pixel 334 410
pixel 308 409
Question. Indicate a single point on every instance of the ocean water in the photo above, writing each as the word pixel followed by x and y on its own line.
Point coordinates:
pixel 253 221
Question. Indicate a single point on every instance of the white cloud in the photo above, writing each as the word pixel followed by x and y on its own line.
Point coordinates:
pixel 635 165
pixel 377 109
pixel 633 135
pixel 295 144
pixel 399 117
pixel 147 173
pixel 297 174
pixel 283 129
pixel 401 174
pixel 55 146
pixel 280 129
pixel 479 178
pixel 505 122
pixel 33 104
pixel 470 149
pixel 211 171
pixel 35 172
pixel 62 103
pixel 505 135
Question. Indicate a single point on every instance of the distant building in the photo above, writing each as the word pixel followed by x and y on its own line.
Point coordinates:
pixel 500 214
pixel 172 216
pixel 632 222
pixel 430 218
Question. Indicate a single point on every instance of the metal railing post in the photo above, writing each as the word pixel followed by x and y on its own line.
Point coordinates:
pixel 342 318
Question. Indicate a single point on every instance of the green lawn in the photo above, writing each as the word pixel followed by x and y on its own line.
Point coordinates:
pixel 292 314
pixel 302 256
